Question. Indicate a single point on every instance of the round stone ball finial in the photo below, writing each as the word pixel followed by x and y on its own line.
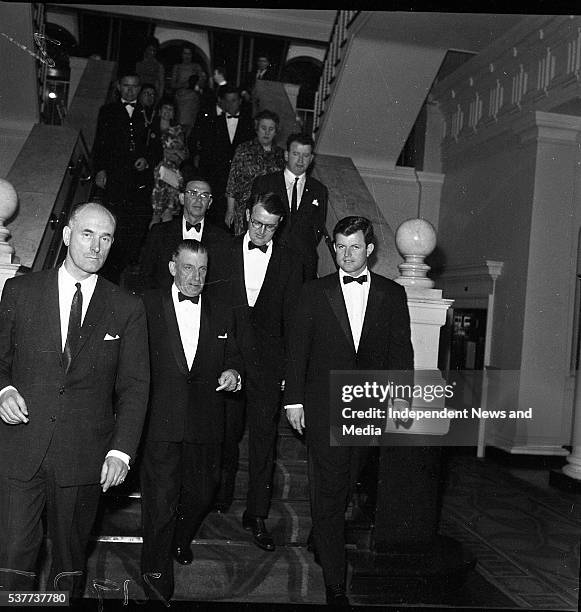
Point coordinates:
pixel 8 205
pixel 415 240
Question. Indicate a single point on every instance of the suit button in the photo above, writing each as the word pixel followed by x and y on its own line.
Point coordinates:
pixel 52 419
pixel 62 391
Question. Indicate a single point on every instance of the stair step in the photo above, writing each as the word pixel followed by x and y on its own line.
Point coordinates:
pixel 289 523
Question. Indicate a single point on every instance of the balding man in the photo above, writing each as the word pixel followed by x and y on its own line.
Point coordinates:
pixel 74 380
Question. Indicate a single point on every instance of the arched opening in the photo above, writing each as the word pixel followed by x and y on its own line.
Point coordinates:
pixel 305 72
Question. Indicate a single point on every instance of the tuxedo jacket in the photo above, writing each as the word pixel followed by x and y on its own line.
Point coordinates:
pixel 119 141
pixel 261 330
pixel 163 238
pixel 184 403
pixel 321 341
pixel 210 140
pixel 97 405
pixel 250 80
pixel 304 231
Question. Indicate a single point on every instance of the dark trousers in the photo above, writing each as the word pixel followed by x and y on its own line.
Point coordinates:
pixel 70 513
pixel 178 482
pixel 332 474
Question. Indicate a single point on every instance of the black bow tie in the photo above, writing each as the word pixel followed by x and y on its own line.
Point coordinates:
pixel 193 299
pixel 233 116
pixel 352 279
pixel 263 248
pixel 196 226
pixel 132 104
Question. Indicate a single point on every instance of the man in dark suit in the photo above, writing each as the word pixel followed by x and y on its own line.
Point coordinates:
pixel 264 72
pixel 213 142
pixel 194 360
pixel 305 198
pixel 164 237
pixel 350 320
pixel 124 169
pixel 74 380
pixel 264 283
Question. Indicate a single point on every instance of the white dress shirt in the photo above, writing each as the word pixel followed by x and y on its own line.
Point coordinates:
pixel 129 109
pixel 188 316
pixel 355 296
pixel 289 179
pixel 255 265
pixel 192 234
pixel 67 289
pixel 232 124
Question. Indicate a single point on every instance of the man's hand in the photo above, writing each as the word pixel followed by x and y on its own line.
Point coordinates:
pixel 296 417
pixel 113 472
pixel 101 179
pixel 140 164
pixel 13 408
pixel 228 381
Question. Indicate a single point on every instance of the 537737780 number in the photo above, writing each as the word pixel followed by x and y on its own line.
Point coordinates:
pixel 36 598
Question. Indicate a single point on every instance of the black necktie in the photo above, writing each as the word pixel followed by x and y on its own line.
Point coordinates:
pixel 352 279
pixel 262 248
pixel 294 205
pixel 74 330
pixel 194 299
pixel 196 226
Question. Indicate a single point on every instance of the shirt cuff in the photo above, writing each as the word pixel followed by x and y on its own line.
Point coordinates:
pixel 6 389
pixel 238 383
pixel 293 406
pixel 123 456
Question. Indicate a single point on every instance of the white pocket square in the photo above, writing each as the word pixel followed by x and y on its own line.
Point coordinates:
pixel 223 337
pixel 109 337
pixel 315 202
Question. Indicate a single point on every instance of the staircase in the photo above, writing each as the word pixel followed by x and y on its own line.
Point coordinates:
pixel 227 566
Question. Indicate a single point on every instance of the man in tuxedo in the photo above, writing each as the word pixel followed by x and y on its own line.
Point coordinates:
pixel 264 284
pixel 213 142
pixel 194 362
pixel 74 380
pixel 164 237
pixel 305 199
pixel 124 170
pixel 351 320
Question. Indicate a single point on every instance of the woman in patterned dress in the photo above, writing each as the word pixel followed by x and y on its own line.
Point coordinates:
pixel 168 181
pixel 251 159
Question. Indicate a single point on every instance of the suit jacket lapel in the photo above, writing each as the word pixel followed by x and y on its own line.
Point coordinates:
pixel 238 274
pixel 204 337
pixel 335 297
pixel 53 315
pixel 174 332
pixel 373 310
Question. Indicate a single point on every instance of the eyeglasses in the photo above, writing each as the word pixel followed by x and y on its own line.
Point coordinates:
pixel 269 227
pixel 202 195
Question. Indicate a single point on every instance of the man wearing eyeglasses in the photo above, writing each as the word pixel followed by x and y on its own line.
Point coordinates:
pixel 265 280
pixel 163 238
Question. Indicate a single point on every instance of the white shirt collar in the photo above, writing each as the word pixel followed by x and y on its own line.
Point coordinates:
pixel 246 240
pixel 342 273
pixel 68 279
pixel 290 177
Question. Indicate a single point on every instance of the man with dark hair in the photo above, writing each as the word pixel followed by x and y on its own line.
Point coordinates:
pixel 194 361
pixel 74 381
pixel 163 238
pixel 124 170
pixel 264 284
pixel 305 199
pixel 264 72
pixel 350 320
pixel 212 144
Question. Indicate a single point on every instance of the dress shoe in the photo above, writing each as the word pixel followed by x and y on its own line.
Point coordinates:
pixel 261 535
pixel 336 596
pixel 183 555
